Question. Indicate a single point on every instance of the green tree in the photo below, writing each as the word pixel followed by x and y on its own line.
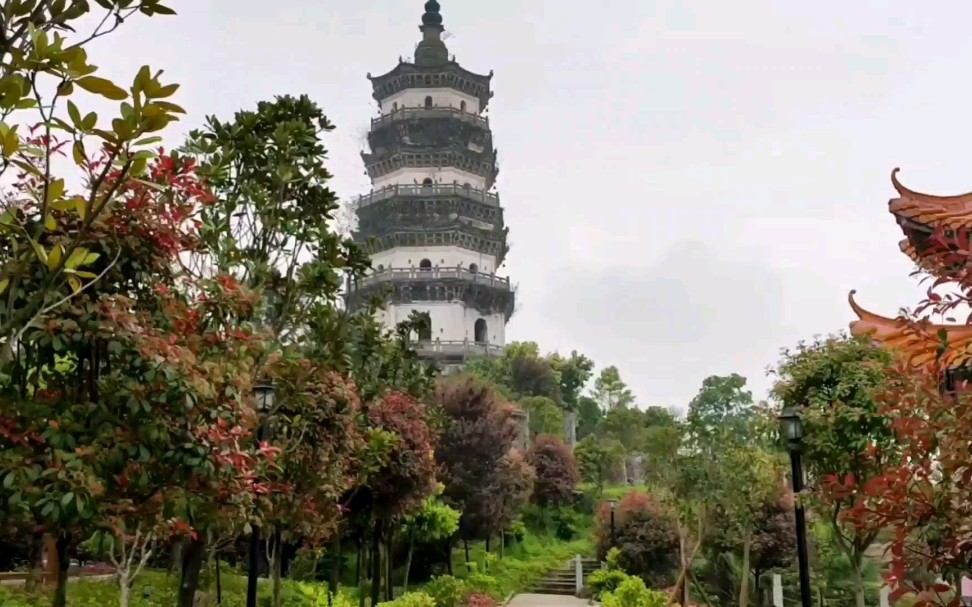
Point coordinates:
pixel 611 392
pixel 574 371
pixel 723 406
pixel 434 522
pixel 46 230
pixel 598 459
pixel 546 417
pixel 836 383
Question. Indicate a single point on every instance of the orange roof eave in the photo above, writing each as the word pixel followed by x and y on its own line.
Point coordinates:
pixel 917 341
pixel 954 212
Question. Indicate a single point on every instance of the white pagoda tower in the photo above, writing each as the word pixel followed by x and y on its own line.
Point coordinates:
pixel 433 223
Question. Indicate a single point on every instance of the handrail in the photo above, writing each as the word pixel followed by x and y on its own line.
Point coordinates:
pixel 436 273
pixel 458 347
pixel 436 189
pixel 407 113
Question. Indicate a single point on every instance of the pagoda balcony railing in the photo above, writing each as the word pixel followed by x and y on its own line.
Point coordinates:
pixel 436 273
pixel 423 113
pixel 438 189
pixel 438 348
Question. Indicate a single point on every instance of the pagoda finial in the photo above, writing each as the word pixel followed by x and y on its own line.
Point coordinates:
pixel 431 51
pixel 432 19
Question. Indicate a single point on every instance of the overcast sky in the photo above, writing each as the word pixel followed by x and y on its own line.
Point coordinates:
pixel 689 185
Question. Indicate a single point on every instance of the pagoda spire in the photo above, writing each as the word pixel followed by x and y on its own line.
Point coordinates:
pixel 431 51
pixel 432 20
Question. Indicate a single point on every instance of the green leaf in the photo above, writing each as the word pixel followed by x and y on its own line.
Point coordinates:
pixel 74 113
pixel 39 251
pixel 77 258
pixel 103 87
pixel 67 498
pixel 77 151
pixel 3 285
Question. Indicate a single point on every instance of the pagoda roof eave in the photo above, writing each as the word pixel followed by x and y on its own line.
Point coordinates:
pixel 407 67
pixel 926 212
pixel 917 341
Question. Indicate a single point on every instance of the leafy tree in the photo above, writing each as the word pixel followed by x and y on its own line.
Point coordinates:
pixel 574 371
pixel 646 536
pixel 513 486
pixel 546 417
pixel 598 459
pixel 627 427
pixel 837 382
pixel 750 478
pixel 556 468
pixel 478 421
pixel 520 372
pixel 722 407
pixel 46 230
pixel 434 522
pixel 611 392
pixel 588 416
pixel 401 485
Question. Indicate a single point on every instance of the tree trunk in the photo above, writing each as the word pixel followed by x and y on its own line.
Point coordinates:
pixel 449 556
pixel 376 564
pixel 744 573
pixel 219 581
pixel 63 556
pixel 334 582
pixel 682 559
pixel 277 568
pixel 758 588
pixel 175 562
pixel 362 573
pixel 36 573
pixel 408 558
pixel 124 594
pixel 193 554
pixel 502 545
pixel 389 565
pixel 858 580
pixel 357 563
pixel 465 544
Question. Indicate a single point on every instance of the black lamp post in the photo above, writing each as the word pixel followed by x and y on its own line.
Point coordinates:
pixel 614 539
pixel 263 395
pixel 791 429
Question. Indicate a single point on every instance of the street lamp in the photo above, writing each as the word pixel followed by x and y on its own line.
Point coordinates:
pixel 791 429
pixel 614 505
pixel 263 395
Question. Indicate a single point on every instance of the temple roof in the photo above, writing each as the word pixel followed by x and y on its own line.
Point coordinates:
pixel 930 211
pixel 919 342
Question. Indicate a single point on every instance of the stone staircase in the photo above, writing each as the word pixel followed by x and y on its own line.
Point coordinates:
pixel 563 581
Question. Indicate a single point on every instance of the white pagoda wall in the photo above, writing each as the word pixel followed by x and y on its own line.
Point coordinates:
pixel 451 321
pixel 407 257
pixel 415 175
pixel 441 97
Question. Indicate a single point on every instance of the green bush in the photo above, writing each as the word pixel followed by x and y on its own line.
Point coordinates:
pixel 412 599
pixel 632 592
pixel 447 591
pixel 483 583
pixel 605 580
pixel 567 524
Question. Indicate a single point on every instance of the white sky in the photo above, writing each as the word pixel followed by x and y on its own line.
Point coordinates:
pixel 690 186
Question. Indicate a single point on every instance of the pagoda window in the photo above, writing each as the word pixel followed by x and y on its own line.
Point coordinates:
pixel 427 181
pixel 473 268
pixel 395 107
pixel 428 80
pixel 428 101
pixel 480 331
pixel 425 265
pixel 462 106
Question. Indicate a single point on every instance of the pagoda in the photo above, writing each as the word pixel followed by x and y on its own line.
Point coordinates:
pixel 432 223
pixel 937 235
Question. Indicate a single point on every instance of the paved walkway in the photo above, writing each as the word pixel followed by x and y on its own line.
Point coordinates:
pixel 546 600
